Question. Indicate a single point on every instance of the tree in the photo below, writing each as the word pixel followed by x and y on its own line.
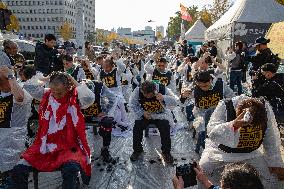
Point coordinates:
pixel 14 24
pixel 111 36
pixel 219 8
pixel 205 17
pixel 280 1
pixel 159 36
pixel 3 5
pixel 101 37
pixel 66 31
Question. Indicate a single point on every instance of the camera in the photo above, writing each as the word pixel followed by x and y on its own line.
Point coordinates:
pixel 188 174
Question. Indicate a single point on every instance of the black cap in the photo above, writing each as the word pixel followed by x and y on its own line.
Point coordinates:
pixel 261 40
pixel 269 67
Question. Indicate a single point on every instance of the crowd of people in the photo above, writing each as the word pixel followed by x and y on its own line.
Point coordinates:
pixel 45 107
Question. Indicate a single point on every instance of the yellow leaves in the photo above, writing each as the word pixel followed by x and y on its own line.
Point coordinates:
pixel 14 23
pixel 112 36
pixel 159 36
pixel 66 31
pixel 280 2
pixel 3 5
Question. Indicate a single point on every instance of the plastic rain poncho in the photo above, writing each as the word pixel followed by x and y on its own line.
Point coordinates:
pixel 171 101
pixel 12 140
pixel 222 132
pixel 150 69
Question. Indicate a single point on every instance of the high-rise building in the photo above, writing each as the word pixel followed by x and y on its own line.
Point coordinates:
pixel 124 32
pixel 39 17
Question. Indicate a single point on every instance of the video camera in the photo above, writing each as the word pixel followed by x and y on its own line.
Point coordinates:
pixel 188 174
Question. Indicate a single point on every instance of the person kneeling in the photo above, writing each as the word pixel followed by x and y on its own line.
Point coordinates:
pixel 150 104
pixel 61 142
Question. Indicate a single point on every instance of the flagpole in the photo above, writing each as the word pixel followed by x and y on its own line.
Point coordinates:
pixel 182 32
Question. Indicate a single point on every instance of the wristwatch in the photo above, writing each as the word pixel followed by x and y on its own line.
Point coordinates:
pixel 10 76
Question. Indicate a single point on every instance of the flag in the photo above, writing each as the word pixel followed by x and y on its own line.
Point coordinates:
pixel 184 14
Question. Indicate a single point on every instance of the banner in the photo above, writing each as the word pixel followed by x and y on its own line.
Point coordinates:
pixel 184 14
pixel 276 36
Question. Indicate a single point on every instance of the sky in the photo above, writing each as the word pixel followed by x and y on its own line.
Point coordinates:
pixel 135 14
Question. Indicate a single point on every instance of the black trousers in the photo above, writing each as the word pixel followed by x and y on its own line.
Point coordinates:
pixel 164 129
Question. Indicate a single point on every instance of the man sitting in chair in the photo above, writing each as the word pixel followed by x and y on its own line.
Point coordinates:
pixel 151 104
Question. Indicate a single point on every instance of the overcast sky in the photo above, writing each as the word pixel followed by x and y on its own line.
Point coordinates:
pixel 135 13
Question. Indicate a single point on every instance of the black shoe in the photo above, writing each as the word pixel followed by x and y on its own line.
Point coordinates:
pixel 135 156
pixel 194 133
pixel 106 156
pixel 168 158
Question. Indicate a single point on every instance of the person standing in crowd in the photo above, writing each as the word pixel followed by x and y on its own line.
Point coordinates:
pixel 151 103
pixel 11 50
pixel 206 93
pixel 89 51
pixel 230 124
pixel 263 54
pixel 73 69
pixel 184 48
pixel 46 55
pixel 213 49
pixel 15 108
pixel 237 66
pixel 61 141
pixel 202 50
pixel 191 51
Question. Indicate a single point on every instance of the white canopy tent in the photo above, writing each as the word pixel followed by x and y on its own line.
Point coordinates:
pixel 245 20
pixel 196 32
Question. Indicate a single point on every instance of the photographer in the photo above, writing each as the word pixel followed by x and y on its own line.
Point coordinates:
pixel 46 55
pixel 234 176
pixel 272 89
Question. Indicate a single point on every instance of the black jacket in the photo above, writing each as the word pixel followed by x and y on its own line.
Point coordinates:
pixel 260 59
pixel 45 59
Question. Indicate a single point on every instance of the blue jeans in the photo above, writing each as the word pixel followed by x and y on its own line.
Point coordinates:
pixel 236 78
pixel 69 172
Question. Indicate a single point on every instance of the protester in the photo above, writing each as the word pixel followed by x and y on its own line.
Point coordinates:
pixel 11 50
pixel 15 107
pixel 73 69
pixel 230 124
pixel 89 51
pixel 161 73
pixel 151 104
pixel 206 93
pixel 61 139
pixel 184 48
pixel 102 111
